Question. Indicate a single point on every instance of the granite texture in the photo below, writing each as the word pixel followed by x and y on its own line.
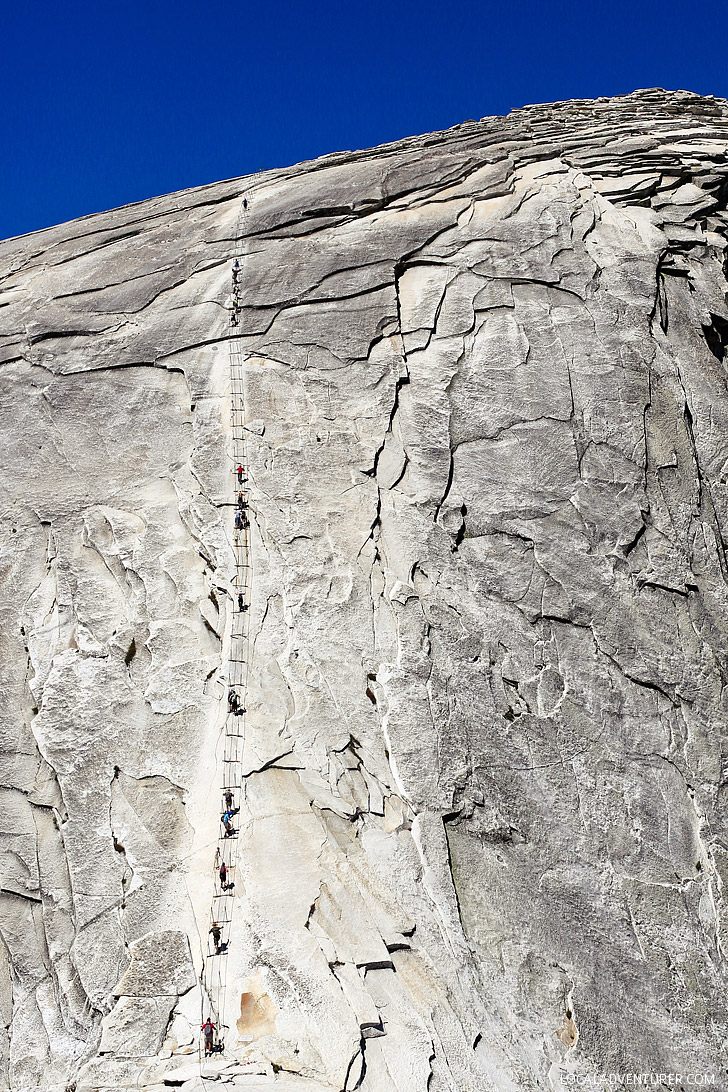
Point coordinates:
pixel 483 828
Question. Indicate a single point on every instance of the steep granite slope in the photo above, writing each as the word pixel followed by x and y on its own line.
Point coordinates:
pixel 483 829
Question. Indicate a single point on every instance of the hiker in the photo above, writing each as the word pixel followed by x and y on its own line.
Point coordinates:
pixel 217 938
pixel 233 319
pixel 239 471
pixel 241 601
pixel 228 798
pixel 208 1030
pixel 245 202
pixel 241 500
pixel 236 265
pixel 225 884
pixel 233 701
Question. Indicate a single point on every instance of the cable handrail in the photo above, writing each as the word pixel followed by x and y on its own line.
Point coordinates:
pixel 214 971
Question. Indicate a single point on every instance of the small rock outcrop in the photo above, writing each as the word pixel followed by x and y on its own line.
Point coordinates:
pixel 482 838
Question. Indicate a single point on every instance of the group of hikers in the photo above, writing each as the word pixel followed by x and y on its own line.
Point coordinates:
pixel 241 519
pixel 226 886
pixel 236 299
pixel 209 1028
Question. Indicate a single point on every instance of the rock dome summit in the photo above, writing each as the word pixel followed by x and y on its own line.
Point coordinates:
pixel 363 532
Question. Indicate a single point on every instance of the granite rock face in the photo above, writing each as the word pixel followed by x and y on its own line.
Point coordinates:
pixel 483 832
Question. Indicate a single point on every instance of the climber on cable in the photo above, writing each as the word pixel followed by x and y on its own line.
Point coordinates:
pixel 242 605
pixel 223 875
pixel 208 1030
pixel 227 821
pixel 240 470
pixel 228 798
pixel 242 503
pixel 236 266
pixel 234 705
pixel 217 938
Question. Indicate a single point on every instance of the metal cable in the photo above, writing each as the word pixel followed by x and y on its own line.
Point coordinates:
pixel 214 975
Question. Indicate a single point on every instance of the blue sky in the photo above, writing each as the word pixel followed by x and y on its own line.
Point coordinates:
pixel 106 103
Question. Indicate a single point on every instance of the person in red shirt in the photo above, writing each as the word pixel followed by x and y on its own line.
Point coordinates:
pixel 208 1030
